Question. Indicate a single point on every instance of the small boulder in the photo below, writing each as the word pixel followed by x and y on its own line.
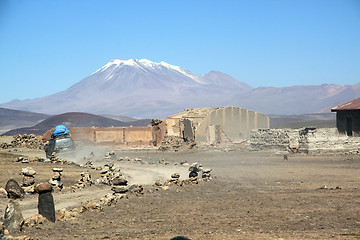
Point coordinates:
pixel 119 181
pixel 43 187
pixel 14 190
pixel 193 174
pixel 120 189
pixel 175 175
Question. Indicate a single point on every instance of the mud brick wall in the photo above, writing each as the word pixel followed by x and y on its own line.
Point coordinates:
pixel 306 140
pixel 143 136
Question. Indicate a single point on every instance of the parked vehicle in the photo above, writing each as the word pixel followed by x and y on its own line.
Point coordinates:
pixel 59 144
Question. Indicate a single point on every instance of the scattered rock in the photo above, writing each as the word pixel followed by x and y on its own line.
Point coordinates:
pixel 120 189
pixel 34 220
pixel 136 189
pixel 64 215
pixel 158 183
pixel 93 206
pixel 175 175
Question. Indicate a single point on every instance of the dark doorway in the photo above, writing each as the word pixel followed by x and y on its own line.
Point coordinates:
pixel 349 130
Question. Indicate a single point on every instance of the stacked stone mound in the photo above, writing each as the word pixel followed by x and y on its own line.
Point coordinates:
pixel 108 172
pixel 56 181
pixel 85 180
pixel 25 140
pixel 28 181
pixel 46 206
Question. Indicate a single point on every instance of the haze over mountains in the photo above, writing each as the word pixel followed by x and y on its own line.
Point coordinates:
pixel 141 88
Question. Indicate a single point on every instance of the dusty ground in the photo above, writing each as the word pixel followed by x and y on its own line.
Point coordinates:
pixel 252 196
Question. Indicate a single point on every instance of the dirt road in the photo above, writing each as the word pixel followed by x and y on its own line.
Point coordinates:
pixel 252 196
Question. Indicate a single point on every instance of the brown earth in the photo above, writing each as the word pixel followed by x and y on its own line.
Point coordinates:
pixel 253 195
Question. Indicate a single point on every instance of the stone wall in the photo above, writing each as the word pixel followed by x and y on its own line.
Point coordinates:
pixel 306 140
pixel 274 139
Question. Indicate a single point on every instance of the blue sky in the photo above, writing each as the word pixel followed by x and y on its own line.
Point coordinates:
pixel 47 46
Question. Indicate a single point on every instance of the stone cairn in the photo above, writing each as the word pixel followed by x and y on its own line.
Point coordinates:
pixel 85 180
pixel 28 181
pixel 46 206
pixel 120 186
pixel 108 172
pixel 55 181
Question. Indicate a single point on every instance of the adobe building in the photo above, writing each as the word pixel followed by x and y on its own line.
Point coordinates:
pixel 215 125
pixel 348 118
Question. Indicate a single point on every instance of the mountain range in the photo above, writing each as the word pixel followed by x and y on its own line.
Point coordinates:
pixel 145 89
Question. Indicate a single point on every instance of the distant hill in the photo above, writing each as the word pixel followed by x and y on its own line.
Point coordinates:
pixel 11 119
pixel 75 119
pixel 120 118
pixel 319 120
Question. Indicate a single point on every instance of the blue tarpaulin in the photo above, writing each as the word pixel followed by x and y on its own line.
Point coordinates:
pixel 60 130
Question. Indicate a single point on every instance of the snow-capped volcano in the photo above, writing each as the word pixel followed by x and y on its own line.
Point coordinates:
pixel 142 88
pixel 146 66
pixel 137 88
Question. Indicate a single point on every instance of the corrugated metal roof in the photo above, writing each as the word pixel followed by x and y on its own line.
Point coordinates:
pixel 352 105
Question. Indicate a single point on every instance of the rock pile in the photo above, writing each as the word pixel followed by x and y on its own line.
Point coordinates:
pixel 28 180
pixel 119 185
pixel 172 143
pixel 25 140
pixel 55 181
pixel 63 215
pixel 85 180
pixel 175 180
pixel 108 172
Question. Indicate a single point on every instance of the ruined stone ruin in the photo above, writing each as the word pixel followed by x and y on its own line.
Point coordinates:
pixel 186 130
